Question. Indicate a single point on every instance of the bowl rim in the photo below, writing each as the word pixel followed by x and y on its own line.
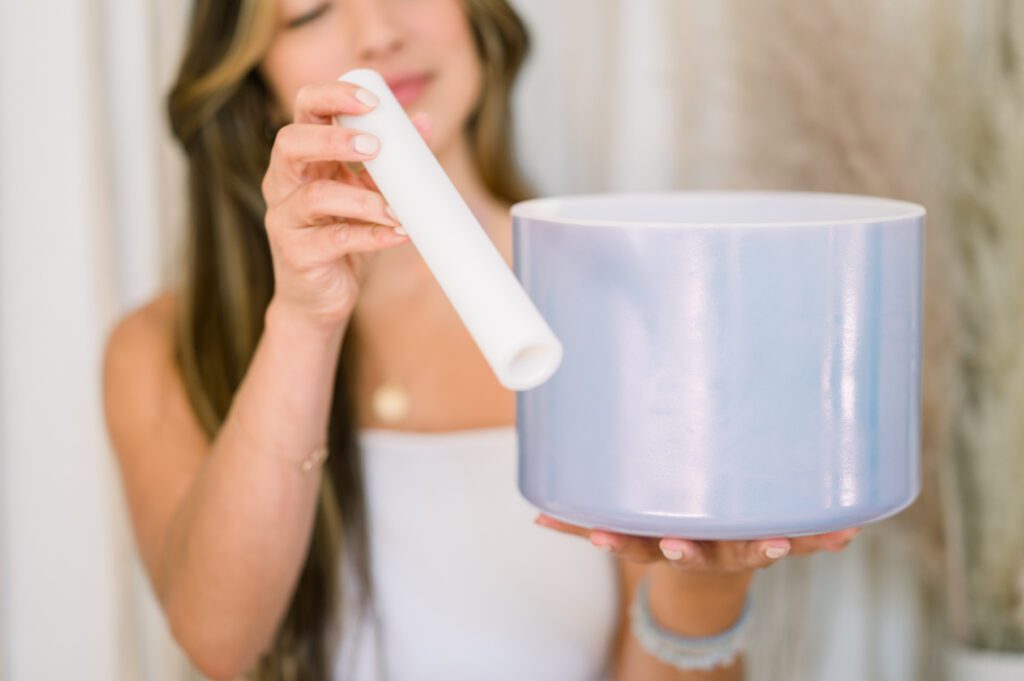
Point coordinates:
pixel 540 208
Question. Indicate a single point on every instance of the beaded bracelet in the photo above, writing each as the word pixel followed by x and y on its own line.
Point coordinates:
pixel 684 652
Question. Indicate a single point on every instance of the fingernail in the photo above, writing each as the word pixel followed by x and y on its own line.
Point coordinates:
pixel 601 543
pixel 367 97
pixel 391 213
pixel 673 554
pixel 365 144
pixel 676 549
pixel 776 552
pixel 402 232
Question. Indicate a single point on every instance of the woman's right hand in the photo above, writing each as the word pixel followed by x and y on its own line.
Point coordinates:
pixel 323 219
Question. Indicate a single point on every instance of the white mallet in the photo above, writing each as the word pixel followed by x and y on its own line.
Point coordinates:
pixel 515 340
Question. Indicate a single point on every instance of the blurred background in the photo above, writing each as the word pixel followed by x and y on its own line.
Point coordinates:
pixel 920 99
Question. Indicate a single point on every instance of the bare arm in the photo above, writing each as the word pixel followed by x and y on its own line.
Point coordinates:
pixel 223 527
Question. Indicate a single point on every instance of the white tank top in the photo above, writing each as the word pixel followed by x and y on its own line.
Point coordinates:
pixel 467 587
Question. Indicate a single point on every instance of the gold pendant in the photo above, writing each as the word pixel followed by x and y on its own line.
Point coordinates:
pixel 390 402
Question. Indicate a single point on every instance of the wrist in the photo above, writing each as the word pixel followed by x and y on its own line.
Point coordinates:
pixel 283 403
pixel 688 652
pixel 697 603
pixel 688 582
pixel 300 327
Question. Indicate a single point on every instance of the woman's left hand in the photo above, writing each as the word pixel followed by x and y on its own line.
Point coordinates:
pixel 701 555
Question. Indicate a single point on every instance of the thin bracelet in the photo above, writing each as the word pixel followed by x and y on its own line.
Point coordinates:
pixel 685 652
pixel 314 458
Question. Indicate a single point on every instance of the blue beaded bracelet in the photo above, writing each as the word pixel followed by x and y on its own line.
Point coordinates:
pixel 684 652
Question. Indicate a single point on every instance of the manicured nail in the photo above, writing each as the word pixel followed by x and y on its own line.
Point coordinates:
pixel 602 543
pixel 775 552
pixel 365 144
pixel 674 549
pixel 402 232
pixel 367 97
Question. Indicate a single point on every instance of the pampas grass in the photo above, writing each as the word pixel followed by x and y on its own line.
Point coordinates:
pixel 979 87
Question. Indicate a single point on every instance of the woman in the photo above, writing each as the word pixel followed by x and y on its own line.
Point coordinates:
pixel 307 325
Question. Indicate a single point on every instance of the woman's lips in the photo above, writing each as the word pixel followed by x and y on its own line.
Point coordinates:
pixel 409 89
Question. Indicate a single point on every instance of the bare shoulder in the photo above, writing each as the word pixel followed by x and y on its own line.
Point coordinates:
pixel 139 348
pixel 150 322
pixel 142 391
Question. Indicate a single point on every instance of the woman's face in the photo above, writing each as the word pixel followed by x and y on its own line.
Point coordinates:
pixel 426 43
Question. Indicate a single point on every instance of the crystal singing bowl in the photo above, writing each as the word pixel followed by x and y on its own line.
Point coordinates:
pixel 736 365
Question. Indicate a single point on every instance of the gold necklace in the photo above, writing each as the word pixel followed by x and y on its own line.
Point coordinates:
pixel 391 402
pixel 391 398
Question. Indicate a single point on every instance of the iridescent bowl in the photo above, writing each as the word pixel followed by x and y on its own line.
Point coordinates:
pixel 736 364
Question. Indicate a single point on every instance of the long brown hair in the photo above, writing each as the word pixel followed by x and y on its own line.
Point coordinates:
pixel 220 112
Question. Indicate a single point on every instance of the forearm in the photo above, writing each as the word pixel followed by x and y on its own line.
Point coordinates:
pixel 690 604
pixel 237 542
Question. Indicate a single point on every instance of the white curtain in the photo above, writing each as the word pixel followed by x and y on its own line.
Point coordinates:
pixel 88 197
pixel 617 95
